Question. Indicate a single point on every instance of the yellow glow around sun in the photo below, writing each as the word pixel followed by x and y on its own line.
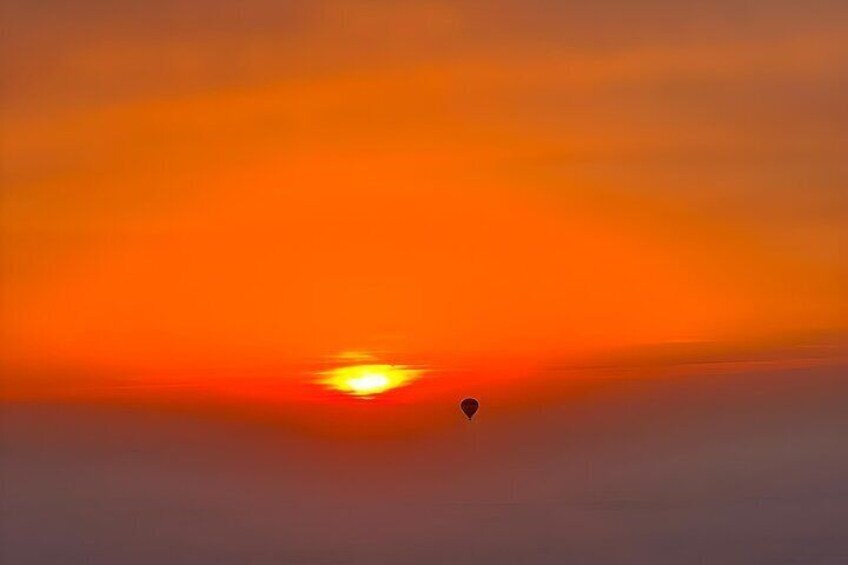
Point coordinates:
pixel 368 380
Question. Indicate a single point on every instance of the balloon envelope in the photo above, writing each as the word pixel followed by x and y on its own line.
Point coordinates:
pixel 469 406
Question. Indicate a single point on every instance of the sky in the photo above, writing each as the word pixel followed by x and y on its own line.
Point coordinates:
pixel 479 191
pixel 253 255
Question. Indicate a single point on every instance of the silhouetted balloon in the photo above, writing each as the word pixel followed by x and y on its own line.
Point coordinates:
pixel 469 407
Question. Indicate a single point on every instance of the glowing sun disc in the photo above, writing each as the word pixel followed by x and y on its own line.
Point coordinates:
pixel 368 380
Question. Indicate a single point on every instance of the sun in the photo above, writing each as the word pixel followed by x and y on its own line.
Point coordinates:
pixel 366 381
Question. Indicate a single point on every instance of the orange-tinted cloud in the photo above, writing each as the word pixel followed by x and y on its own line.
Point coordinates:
pixel 255 194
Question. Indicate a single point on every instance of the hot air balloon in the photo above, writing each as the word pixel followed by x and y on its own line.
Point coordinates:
pixel 469 407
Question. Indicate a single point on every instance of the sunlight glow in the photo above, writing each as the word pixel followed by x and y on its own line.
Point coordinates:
pixel 365 381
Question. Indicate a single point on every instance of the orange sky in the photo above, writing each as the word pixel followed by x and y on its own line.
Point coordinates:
pixel 215 193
